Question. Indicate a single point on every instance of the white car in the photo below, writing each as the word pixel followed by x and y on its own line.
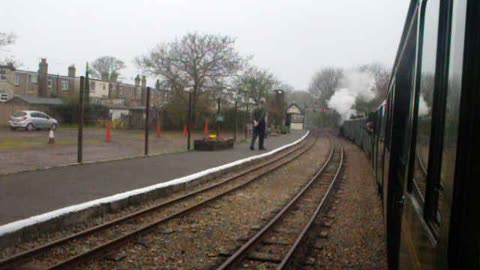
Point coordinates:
pixel 31 120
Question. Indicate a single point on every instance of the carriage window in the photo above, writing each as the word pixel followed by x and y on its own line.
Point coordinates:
pixel 3 75
pixel 388 118
pixel 452 110
pixel 424 98
pixel 380 146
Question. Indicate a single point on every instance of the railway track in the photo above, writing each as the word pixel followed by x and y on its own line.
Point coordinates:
pixel 420 183
pixel 102 239
pixel 273 246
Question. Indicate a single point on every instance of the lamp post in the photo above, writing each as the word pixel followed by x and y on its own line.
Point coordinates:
pixel 147 119
pixel 247 101
pixel 305 108
pixel 189 116
pixel 279 105
pixel 81 120
pixel 246 115
pixel 218 117
pixel 235 97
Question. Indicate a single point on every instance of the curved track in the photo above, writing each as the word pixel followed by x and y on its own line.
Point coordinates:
pixel 273 246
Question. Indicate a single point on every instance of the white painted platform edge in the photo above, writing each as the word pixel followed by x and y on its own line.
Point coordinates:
pixel 20 224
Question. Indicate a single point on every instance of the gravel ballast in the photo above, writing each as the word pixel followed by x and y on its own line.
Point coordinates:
pixel 355 239
pixel 197 240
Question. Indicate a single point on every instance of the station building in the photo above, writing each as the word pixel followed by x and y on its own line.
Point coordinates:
pixel 295 117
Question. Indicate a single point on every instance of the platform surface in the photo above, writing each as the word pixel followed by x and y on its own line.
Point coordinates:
pixel 27 194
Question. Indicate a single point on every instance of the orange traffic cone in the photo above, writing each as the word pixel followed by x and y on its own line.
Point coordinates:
pixel 108 133
pixel 51 136
pixel 205 130
pixel 159 130
pixel 185 132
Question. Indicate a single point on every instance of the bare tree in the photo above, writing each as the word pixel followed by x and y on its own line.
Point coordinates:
pixel 200 61
pixel 300 98
pixel 285 87
pixel 6 39
pixel 382 79
pixel 256 83
pixel 107 68
pixel 324 84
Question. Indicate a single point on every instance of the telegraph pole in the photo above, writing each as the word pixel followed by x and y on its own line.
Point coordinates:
pixel 80 121
pixel 147 117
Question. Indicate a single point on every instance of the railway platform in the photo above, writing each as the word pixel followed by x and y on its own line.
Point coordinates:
pixel 244 213
pixel 27 194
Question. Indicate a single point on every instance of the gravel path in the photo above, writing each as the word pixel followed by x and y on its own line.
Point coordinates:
pixel 356 238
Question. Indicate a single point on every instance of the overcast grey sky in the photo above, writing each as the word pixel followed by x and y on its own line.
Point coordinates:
pixel 292 39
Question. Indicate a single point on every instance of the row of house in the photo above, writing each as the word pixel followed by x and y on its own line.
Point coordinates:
pixel 22 83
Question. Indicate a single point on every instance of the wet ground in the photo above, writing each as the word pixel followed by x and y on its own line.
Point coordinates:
pixel 21 150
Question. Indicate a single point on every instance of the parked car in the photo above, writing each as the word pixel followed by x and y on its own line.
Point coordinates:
pixel 31 120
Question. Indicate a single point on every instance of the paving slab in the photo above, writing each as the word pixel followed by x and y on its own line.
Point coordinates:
pixel 31 193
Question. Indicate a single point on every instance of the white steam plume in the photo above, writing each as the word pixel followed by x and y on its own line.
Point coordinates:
pixel 342 102
pixel 354 85
pixel 423 108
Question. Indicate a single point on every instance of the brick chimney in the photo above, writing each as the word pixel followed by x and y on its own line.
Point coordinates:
pixel 117 90
pixel 71 75
pixel 43 78
pixel 71 71
pixel 137 85
pixel 144 90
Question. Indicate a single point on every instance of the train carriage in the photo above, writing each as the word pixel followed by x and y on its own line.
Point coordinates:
pixel 424 139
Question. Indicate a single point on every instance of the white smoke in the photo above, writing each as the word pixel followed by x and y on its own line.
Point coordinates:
pixel 342 102
pixel 423 108
pixel 354 85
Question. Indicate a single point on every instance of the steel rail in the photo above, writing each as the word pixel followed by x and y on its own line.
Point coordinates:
pixel 125 239
pixel 319 208
pixel 241 252
pixel 24 256
pixel 421 162
pixel 423 170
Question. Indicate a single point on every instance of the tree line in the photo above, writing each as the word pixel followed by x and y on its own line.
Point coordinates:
pixel 207 65
pixel 212 69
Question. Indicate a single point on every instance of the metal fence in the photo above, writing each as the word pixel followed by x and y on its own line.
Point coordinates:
pixel 88 132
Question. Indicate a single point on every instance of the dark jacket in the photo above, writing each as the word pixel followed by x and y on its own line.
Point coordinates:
pixel 259 115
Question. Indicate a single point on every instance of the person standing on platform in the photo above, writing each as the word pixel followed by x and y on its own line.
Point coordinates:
pixel 259 125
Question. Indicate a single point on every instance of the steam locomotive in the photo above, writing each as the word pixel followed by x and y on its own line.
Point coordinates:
pixel 423 140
